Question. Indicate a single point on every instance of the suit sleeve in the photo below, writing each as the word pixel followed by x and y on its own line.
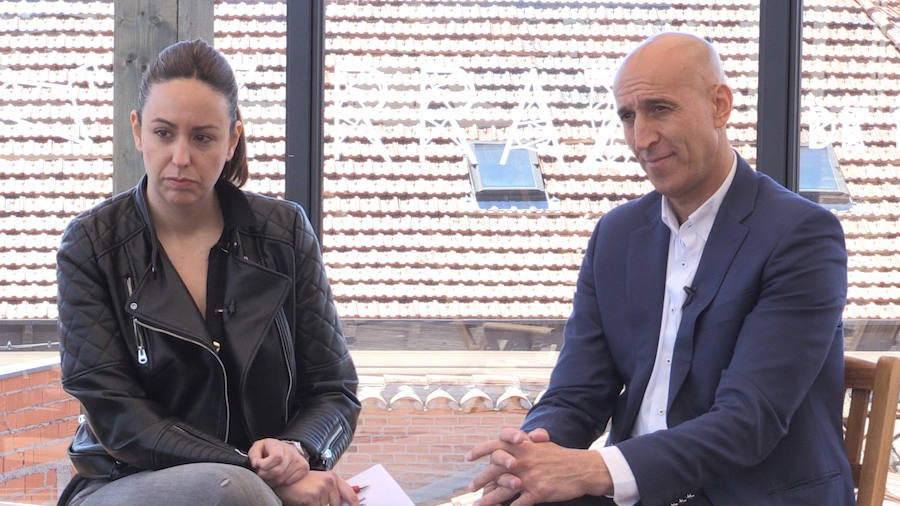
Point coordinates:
pixel 584 384
pixel 779 353
pixel 325 400
pixel 97 370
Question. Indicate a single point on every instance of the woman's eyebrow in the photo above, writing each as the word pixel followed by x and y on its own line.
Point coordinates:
pixel 198 127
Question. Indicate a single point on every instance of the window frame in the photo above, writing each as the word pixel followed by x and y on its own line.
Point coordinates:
pixel 778 106
pixel 304 104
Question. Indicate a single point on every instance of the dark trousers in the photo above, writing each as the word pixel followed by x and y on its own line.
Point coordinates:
pixel 699 499
pixel 581 501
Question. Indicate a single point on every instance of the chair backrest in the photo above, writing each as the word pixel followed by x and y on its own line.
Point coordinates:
pixel 873 389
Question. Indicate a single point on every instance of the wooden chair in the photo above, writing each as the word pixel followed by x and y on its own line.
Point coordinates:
pixel 881 381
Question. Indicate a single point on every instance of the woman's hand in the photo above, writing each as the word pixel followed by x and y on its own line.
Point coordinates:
pixel 318 488
pixel 277 463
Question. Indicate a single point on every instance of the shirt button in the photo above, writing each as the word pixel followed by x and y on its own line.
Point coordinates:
pixel 668 360
pixel 660 412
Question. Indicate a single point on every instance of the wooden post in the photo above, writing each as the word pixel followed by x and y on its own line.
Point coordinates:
pixel 143 28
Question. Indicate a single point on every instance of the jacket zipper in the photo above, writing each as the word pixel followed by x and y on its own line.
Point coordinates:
pixel 142 357
pixel 327 454
pixel 214 354
pixel 138 335
pixel 282 326
pixel 208 440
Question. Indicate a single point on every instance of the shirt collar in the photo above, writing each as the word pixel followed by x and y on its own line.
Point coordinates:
pixel 703 217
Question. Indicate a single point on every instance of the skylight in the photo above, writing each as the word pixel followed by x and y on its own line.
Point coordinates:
pixel 821 179
pixel 519 183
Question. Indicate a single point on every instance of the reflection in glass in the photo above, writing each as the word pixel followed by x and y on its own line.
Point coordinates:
pixel 849 157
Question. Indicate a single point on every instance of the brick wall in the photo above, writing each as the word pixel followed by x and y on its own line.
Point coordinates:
pixel 37 420
pixel 422 449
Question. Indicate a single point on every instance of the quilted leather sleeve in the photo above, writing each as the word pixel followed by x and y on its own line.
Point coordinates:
pixel 326 394
pixel 98 371
pixel 89 331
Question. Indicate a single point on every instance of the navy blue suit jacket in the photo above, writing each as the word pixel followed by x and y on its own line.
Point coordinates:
pixel 757 374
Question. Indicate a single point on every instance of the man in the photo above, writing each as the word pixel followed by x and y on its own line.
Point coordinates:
pixel 706 325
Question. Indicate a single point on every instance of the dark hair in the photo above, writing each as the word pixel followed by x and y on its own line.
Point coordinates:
pixel 198 60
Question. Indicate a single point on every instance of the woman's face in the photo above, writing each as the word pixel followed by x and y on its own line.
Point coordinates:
pixel 185 138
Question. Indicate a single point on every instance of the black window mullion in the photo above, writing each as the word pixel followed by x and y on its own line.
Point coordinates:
pixel 303 115
pixel 778 108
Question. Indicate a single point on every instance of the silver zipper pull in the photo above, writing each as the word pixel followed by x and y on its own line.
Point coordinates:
pixel 142 355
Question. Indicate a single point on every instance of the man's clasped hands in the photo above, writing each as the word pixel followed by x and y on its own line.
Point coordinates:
pixel 536 469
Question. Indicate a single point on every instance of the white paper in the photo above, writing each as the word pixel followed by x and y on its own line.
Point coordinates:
pixel 381 489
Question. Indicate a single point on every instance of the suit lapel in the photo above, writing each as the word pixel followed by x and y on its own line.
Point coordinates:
pixel 645 280
pixel 725 239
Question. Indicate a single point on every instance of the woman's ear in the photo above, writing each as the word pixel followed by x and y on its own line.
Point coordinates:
pixel 235 137
pixel 136 130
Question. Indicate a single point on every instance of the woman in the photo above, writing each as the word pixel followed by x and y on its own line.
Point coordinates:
pixel 197 325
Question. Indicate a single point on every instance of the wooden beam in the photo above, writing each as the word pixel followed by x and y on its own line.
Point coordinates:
pixel 143 28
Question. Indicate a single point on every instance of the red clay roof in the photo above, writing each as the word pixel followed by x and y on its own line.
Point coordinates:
pixel 405 238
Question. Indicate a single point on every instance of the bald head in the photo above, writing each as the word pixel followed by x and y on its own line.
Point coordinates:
pixel 685 54
pixel 674 105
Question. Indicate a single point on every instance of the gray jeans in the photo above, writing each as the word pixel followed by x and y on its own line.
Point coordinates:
pixel 186 485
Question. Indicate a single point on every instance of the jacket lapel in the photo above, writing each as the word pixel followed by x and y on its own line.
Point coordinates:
pixel 161 299
pixel 725 239
pixel 645 280
pixel 253 294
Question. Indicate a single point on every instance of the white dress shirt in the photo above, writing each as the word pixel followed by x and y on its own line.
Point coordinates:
pixel 686 243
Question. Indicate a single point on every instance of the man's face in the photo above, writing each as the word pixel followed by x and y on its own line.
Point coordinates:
pixel 670 123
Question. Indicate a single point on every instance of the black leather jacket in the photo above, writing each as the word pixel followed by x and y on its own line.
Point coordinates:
pixel 137 354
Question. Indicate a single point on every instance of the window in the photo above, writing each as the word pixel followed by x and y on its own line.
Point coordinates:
pixel 850 153
pixel 515 182
pixel 821 179
pixel 411 89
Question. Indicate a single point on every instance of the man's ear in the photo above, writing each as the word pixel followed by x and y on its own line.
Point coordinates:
pixel 722 103
pixel 136 130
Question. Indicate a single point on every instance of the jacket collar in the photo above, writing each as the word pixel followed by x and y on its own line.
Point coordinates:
pixel 236 212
